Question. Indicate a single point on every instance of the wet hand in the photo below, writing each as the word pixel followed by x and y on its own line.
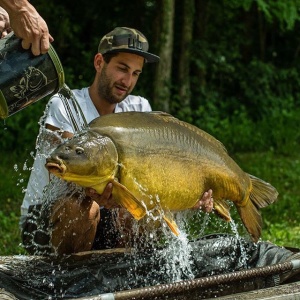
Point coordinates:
pixel 105 199
pixel 206 203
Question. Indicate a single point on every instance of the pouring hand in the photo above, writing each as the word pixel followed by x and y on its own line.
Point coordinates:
pixel 28 25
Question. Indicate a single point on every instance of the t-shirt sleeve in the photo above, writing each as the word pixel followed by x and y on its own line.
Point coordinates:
pixel 145 105
pixel 133 103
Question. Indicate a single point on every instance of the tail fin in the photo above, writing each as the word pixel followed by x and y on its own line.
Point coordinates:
pixel 261 195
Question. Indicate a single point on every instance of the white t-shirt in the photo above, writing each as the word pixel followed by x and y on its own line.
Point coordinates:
pixel 57 115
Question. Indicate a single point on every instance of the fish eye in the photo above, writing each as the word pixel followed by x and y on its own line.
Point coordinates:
pixel 79 150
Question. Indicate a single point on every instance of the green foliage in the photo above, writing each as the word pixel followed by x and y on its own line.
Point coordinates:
pixel 282 234
pixel 18 133
pixel 10 234
pixel 276 132
pixel 14 174
pixel 283 172
pixel 284 12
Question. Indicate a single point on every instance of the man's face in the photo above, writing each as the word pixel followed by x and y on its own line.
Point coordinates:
pixel 118 78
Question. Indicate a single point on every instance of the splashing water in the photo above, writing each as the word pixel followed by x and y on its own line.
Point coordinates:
pixel 152 234
pixel 175 253
pixel 243 257
pixel 47 141
pixel 178 255
pixel 73 109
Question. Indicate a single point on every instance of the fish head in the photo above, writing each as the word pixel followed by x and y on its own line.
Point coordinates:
pixel 86 159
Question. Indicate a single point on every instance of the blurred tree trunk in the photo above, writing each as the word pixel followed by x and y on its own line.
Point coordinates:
pixel 199 70
pixel 164 32
pixel 188 13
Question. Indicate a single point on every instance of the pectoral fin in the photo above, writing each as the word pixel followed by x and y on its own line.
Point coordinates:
pixel 168 217
pixel 125 198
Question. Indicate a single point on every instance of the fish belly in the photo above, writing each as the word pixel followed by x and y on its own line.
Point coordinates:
pixel 177 183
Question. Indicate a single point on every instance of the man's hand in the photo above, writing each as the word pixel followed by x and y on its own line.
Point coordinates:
pixel 206 203
pixel 28 25
pixel 105 199
pixel 21 17
pixel 5 28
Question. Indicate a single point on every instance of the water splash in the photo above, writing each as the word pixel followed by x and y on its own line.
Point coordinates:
pixel 178 255
pixel 72 108
pixel 243 257
pixel 153 235
pixel 47 141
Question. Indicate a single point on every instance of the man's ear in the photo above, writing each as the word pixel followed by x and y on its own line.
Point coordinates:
pixel 98 62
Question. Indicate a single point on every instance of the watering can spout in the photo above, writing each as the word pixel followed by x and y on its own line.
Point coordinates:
pixel 25 78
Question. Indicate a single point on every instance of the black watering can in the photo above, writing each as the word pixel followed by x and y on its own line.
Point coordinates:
pixel 25 78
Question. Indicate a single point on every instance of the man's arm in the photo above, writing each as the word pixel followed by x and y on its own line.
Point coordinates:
pixel 28 25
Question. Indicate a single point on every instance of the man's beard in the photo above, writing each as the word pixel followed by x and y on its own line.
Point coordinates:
pixel 105 89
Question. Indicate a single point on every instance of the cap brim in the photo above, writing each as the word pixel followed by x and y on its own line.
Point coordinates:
pixel 149 57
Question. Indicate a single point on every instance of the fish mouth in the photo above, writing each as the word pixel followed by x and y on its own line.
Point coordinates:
pixel 57 167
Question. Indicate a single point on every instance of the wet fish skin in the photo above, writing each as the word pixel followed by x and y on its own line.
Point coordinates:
pixel 156 160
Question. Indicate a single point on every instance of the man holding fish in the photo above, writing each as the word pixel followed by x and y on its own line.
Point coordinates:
pixel 118 64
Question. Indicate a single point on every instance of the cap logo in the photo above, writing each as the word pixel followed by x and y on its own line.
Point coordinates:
pixel 135 43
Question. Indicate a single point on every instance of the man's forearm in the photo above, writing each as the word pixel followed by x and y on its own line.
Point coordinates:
pixel 12 5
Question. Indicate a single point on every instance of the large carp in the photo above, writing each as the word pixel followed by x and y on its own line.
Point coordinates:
pixel 156 160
